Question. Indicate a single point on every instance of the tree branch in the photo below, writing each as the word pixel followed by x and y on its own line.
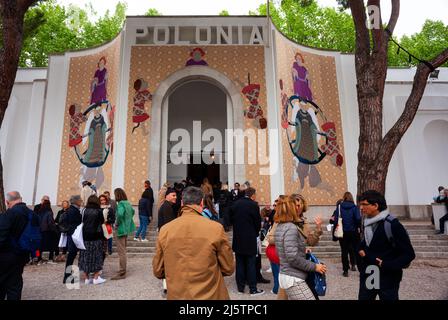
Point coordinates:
pixel 393 17
pixel 23 5
pixel 394 135
pixel 359 18
pixel 377 34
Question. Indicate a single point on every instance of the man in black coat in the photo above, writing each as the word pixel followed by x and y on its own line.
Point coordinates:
pixel 388 252
pixel 246 220
pixel 72 220
pixel 39 205
pixel 166 210
pixel 151 199
pixel 12 224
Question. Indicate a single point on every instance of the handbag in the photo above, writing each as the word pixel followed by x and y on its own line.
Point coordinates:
pixel 107 231
pixel 271 253
pixel 78 238
pixel 316 281
pixel 338 229
pixel 62 241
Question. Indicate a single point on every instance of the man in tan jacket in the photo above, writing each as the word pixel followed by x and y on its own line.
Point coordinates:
pixel 193 253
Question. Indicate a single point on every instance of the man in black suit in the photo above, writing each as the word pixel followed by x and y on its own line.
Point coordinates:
pixel 246 220
pixel 237 193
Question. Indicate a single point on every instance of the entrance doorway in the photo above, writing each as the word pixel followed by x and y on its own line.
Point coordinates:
pixel 197 172
pixel 193 102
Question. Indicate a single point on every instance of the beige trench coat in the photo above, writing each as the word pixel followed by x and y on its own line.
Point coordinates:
pixel 193 254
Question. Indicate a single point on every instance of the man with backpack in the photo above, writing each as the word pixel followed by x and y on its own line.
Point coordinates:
pixel 386 248
pixel 19 236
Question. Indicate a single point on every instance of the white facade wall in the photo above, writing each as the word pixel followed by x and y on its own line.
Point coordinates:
pixel 30 137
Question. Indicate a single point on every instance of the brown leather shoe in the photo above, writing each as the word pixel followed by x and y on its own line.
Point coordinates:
pixel 119 276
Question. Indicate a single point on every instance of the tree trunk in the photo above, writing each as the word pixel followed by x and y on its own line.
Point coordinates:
pixel 2 191
pixel 375 151
pixel 12 13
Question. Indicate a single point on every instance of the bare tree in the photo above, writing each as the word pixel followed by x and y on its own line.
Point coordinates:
pixel 12 14
pixel 375 150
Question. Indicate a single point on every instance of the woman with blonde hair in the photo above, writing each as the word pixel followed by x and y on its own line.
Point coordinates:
pixel 206 187
pixel 290 242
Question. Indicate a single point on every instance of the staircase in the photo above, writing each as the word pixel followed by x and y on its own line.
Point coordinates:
pixel 426 244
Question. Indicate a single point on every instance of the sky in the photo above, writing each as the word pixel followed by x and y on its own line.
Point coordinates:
pixel 412 15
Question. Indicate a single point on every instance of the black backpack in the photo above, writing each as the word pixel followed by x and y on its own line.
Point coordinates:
pixel 390 234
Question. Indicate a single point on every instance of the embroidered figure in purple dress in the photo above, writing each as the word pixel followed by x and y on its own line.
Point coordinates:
pixel 196 58
pixel 300 79
pixel 99 83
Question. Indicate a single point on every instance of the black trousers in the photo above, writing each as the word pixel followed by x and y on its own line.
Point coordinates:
pixel 385 293
pixel 11 270
pixel 349 245
pixel 71 256
pixel 442 223
pixel 258 267
pixel 246 272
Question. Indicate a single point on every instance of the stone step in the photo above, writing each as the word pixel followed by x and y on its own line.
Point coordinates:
pixel 411 236
pixel 329 243
pixel 320 255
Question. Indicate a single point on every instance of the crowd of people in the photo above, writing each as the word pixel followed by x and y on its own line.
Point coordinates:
pixel 193 225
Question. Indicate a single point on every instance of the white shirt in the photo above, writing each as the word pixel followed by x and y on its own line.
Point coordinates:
pixel 287 282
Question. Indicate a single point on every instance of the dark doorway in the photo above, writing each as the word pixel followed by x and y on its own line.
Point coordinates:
pixel 197 172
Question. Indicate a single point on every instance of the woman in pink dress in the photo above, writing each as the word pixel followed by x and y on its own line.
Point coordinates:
pixel 99 83
pixel 300 79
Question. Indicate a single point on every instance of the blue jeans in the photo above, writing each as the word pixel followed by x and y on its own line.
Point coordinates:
pixel 144 221
pixel 109 245
pixel 275 271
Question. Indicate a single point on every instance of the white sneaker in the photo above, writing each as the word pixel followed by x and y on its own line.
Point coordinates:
pixel 136 239
pixel 144 240
pixel 99 280
pixel 88 281
pixel 269 270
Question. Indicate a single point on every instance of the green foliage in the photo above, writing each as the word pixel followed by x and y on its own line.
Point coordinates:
pixel 328 28
pixel 426 44
pixel 153 12
pixel 66 29
pixel 224 13
pixel 312 25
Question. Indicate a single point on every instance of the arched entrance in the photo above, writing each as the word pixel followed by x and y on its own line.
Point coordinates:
pixel 196 107
pixel 176 89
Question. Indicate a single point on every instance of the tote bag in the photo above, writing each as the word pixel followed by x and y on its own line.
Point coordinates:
pixel 338 230
pixel 77 237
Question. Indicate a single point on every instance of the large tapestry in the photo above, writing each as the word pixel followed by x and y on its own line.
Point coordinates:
pixel 87 144
pixel 312 141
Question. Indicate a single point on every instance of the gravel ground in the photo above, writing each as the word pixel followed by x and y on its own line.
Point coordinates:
pixel 424 280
